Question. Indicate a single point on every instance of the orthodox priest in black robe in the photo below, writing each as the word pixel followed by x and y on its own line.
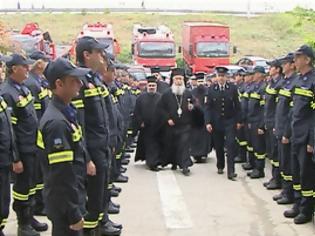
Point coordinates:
pixel 200 144
pixel 144 122
pixel 175 112
pixel 162 86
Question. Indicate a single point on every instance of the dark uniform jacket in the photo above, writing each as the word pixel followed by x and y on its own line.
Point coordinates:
pixel 23 115
pixel 40 93
pixel 256 104
pixel 8 150
pixel 222 105
pixel 303 109
pixel 60 137
pixel 284 108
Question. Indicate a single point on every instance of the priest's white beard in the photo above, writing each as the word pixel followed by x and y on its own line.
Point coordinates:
pixel 178 90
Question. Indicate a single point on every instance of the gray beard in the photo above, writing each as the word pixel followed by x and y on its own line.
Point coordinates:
pixel 178 90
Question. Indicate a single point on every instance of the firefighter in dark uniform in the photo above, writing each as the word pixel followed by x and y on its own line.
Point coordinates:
pixel 60 137
pixel 249 86
pixel 256 122
pixel 303 136
pixel 271 95
pixel 283 120
pixel 94 121
pixel 241 137
pixel 223 118
pixel 7 156
pixel 36 83
pixel 25 124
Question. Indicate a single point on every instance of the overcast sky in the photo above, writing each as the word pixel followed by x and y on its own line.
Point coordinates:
pixel 228 5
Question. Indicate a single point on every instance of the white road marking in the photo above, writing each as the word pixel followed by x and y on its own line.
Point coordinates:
pixel 173 204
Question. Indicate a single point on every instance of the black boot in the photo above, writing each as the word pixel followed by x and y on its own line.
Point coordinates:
pixel 302 219
pixel 247 166
pixel 293 212
pixel 256 174
pixel 24 218
pixel 274 184
pixel 26 230
pixel 285 200
pixel 109 230
pixel 114 193
pixel 186 171
pixel 112 209
pixel 40 227
pixel 122 179
pixel 117 189
pixel 277 196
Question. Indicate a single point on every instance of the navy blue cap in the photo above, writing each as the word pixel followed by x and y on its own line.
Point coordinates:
pixel 88 43
pixel 211 76
pixel 288 58
pixel 305 50
pixel 177 71
pixel 15 60
pixel 39 55
pixel 221 70
pixel 259 69
pixel 200 76
pixel 62 67
pixel 274 63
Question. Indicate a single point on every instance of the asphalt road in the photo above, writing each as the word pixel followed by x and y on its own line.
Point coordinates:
pixel 169 204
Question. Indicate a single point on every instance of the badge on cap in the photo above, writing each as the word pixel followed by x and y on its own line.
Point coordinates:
pixel 58 143
pixel 91 86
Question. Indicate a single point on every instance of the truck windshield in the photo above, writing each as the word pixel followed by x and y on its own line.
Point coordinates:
pixel 108 42
pixel 157 49
pixel 212 49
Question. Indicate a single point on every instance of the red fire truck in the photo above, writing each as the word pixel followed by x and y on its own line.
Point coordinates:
pixel 104 33
pixel 153 47
pixel 205 45
pixel 32 38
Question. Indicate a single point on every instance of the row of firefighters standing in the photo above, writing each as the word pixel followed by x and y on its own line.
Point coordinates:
pixel 250 117
pixel 64 133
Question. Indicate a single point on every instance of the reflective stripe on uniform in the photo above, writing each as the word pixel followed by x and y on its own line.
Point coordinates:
pixel 303 92
pixel 59 157
pixel 77 135
pixel 39 140
pixel 307 193
pixel 3 106
pixel 255 96
pixel 275 163
pixel 313 105
pixel 90 224
pixel 119 92
pixel 39 187
pixel 20 196
pixel 285 93
pixel 297 187
pixel 44 93
pixel 271 91
pixel 14 120
pixel 260 156
pixel 3 222
pixel 25 101
pixel 262 102
pixel 100 217
pixel 37 106
pixel 103 91
pixel 91 92
pixel 250 149
pixel 78 103
pixel 291 104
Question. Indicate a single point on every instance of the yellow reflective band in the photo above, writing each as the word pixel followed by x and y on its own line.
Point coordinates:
pixel 271 91
pixel 91 92
pixel 308 193
pixel 32 191
pixel 303 92
pixel 19 196
pixel 275 163
pixel 3 106
pixel 100 217
pixel 285 93
pixel 291 104
pixel 59 157
pixel 118 156
pixel 287 177
pixel 245 95
pixel 260 156
pixel 14 120
pixel 90 224
pixel 77 134
pixel 39 187
pixel 119 92
pixel 255 96
pixel 250 149
pixel 44 93
pixel 39 140
pixel 49 93
pixel 37 106
pixel 297 187
pixel 78 103
pixel 25 101
pixel 129 132
pixel 126 87
pixel 103 91
pixel 313 105
pixel 242 143
pixel 262 103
